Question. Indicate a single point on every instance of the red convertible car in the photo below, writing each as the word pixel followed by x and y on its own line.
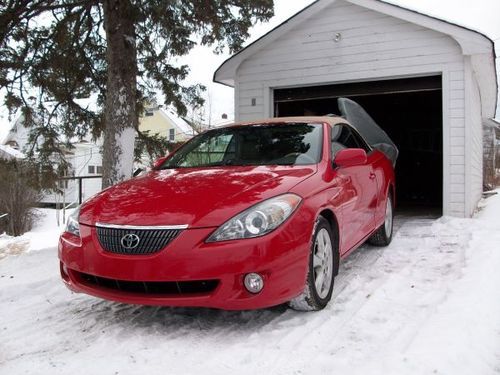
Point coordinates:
pixel 242 217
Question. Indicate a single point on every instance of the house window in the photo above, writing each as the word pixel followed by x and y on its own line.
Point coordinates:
pixel 171 134
pixel 99 169
pixel 91 169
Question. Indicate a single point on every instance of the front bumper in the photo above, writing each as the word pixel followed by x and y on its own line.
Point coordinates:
pixel 281 257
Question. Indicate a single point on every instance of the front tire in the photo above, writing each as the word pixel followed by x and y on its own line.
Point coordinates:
pixel 321 273
pixel 383 235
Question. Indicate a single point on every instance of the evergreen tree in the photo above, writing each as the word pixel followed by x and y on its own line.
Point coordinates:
pixel 53 52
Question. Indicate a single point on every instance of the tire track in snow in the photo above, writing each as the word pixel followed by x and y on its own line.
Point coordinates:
pixel 359 267
pixel 369 266
pixel 356 326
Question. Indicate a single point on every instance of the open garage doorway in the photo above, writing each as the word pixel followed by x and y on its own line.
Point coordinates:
pixel 409 110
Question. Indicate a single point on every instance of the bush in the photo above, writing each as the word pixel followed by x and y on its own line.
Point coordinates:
pixel 19 193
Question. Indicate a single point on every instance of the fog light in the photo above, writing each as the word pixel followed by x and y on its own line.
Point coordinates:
pixel 254 282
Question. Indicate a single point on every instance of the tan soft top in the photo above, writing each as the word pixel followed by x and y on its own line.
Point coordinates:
pixel 358 119
pixel 332 120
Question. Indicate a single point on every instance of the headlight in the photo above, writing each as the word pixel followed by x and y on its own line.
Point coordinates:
pixel 257 220
pixel 72 225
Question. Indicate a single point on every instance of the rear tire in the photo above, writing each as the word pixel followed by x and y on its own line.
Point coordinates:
pixel 383 235
pixel 321 273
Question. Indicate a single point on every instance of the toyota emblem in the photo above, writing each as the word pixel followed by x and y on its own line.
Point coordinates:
pixel 130 241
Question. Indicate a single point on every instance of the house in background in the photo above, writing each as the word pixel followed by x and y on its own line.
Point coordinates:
pixel 430 84
pixel 17 137
pixel 85 156
pixel 165 123
pixel 85 160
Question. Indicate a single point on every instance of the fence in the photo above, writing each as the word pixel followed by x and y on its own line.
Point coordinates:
pixel 79 180
pixel 72 192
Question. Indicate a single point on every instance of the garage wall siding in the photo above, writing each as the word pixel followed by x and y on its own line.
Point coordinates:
pixel 372 46
pixel 456 102
pixel 475 142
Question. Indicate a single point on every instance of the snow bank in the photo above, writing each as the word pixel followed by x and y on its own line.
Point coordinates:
pixel 44 235
pixel 427 304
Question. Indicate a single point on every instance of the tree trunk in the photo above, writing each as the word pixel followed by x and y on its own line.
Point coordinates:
pixel 120 113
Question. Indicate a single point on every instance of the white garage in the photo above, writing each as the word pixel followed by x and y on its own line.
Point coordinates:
pixel 430 84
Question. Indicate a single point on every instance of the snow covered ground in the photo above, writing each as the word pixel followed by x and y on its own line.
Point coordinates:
pixel 44 235
pixel 427 304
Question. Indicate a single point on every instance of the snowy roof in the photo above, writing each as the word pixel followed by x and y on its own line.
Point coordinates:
pixel 7 152
pixel 4 132
pixel 179 122
pixel 492 123
pixel 9 132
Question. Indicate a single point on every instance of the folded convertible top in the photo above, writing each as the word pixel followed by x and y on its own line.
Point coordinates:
pixel 368 128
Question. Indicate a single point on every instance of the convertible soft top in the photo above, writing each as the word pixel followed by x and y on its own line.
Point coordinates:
pixel 359 119
pixel 368 128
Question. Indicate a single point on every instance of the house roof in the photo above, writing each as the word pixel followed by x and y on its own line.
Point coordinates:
pixel 10 131
pixel 4 133
pixel 492 123
pixel 179 122
pixel 8 152
pixel 472 42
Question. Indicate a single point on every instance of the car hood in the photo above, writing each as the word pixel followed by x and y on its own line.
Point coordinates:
pixel 193 196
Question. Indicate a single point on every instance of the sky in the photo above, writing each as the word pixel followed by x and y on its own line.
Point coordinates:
pixel 480 15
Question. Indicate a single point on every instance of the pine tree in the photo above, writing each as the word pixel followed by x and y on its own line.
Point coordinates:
pixel 53 52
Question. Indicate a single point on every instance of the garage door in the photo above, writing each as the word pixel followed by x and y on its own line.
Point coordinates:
pixel 409 110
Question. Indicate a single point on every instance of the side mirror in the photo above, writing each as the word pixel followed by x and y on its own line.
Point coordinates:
pixel 159 162
pixel 350 157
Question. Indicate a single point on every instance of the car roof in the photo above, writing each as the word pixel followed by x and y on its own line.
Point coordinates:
pixel 332 120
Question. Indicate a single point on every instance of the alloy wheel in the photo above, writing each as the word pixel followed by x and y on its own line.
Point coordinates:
pixel 388 217
pixel 322 263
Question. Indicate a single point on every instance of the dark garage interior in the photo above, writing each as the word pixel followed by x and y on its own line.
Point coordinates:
pixel 409 110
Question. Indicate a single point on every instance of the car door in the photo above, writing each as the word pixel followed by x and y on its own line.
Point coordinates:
pixel 359 189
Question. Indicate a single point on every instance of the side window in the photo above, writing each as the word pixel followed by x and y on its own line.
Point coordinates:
pixel 344 137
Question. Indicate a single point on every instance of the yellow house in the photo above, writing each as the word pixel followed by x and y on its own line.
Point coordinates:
pixel 165 123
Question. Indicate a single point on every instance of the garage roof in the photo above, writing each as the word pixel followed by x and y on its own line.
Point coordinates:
pixel 471 42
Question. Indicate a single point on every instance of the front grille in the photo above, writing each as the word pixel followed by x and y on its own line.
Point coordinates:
pixel 149 241
pixel 172 288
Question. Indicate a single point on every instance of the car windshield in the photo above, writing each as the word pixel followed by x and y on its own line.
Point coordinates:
pixel 276 144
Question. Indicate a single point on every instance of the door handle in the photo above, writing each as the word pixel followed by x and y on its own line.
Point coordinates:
pixel 372 175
